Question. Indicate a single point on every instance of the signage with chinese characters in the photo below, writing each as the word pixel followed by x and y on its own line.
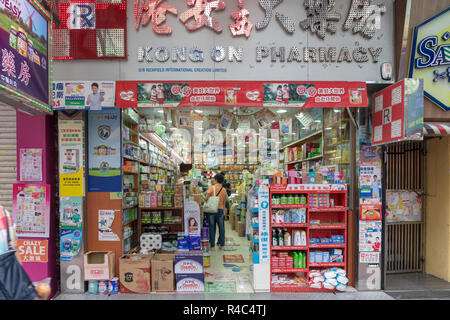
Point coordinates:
pixel 205 40
pixel 24 49
pixel 33 250
pixel 264 223
pixel 134 94
pixel 91 29
pixel 398 112
pixel 430 58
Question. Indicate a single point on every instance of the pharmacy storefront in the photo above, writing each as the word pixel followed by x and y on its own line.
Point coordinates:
pixel 274 95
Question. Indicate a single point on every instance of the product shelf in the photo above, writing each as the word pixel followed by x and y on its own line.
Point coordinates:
pixel 289 248
pixel 160 208
pixel 327 226
pixel 289 225
pixel 326 264
pixel 289 206
pixel 307 159
pixel 340 209
pixel 289 270
pixel 326 245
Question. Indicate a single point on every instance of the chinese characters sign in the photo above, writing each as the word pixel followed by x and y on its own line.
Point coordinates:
pixel 24 49
pixel 264 223
pixel 91 29
pixel 33 250
pixel 133 94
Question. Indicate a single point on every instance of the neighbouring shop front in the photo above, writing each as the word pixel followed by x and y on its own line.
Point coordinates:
pixel 286 112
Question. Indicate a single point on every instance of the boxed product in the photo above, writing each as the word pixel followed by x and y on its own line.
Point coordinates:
pixel 162 274
pixel 99 265
pixel 182 241
pixel 241 228
pixel 188 263
pixel 134 273
pixel 190 282
pixel 195 243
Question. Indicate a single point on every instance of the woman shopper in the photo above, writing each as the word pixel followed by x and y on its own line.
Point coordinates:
pixel 217 190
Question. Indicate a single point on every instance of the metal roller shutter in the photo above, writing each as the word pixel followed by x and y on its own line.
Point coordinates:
pixel 8 166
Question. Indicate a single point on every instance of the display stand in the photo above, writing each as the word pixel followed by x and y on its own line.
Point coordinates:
pixel 325 223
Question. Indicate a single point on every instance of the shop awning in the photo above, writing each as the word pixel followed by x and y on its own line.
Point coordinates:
pixel 436 128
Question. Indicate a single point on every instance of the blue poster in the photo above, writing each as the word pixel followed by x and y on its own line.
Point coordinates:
pixel 104 156
pixel 71 240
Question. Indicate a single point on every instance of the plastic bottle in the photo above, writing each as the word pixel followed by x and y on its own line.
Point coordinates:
pixel 297 238
pixel 283 199
pixel 304 260
pixel 274 199
pixel 287 238
pixel 280 237
pixel 296 259
pixel 297 199
pixel 302 199
pixel 274 238
pixel 299 261
pixel 303 238
pixel 291 199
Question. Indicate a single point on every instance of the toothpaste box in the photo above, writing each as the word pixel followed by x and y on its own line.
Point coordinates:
pixel 190 282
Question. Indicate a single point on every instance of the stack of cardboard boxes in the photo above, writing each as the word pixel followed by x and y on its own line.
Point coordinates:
pixel 189 271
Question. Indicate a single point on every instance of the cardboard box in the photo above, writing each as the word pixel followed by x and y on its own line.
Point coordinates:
pixel 134 273
pixel 234 220
pixel 190 282
pixel 99 265
pixel 162 272
pixel 188 262
pixel 241 229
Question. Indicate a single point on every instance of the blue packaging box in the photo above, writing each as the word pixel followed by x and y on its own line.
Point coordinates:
pixel 195 243
pixel 182 242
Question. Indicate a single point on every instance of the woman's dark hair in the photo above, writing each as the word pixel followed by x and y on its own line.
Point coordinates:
pixel 95 84
pixel 219 178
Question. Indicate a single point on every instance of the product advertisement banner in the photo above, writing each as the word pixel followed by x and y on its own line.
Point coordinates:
pixel 31 210
pixel 104 156
pixel 84 95
pixel 30 164
pixel 24 49
pixel 133 94
pixel 71 212
pixel 71 240
pixel 71 162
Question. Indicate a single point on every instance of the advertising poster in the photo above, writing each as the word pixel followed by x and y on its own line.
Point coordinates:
pixel 105 221
pixel 71 163
pixel 403 206
pixel 84 95
pixel 71 240
pixel 104 152
pixel 226 120
pixel 31 210
pixel 264 223
pixel 369 257
pixel 192 223
pixel 33 250
pixel 71 212
pixel 24 49
pixel 30 164
pixel 370 212
pixel 369 156
pixel 241 93
pixel 370 182
pixel 370 236
pixel 414 108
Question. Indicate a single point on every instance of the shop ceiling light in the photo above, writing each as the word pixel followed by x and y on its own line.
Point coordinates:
pixel 282 111
pixel 199 111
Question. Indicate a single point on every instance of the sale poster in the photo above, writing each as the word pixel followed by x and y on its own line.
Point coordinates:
pixel 370 236
pixel 71 212
pixel 33 250
pixel 71 160
pixel 30 164
pixel 369 257
pixel 31 210
pixel 105 221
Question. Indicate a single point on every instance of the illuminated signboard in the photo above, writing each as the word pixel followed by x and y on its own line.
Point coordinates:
pixel 24 51
pixel 430 58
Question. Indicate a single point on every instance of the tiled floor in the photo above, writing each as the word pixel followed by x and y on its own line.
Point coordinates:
pixel 417 286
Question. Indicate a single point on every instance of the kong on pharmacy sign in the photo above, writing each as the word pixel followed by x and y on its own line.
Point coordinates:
pixel 430 58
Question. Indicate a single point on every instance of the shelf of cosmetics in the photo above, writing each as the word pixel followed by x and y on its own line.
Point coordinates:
pixel 315 200
pixel 316 174
pixel 285 261
pixel 303 152
pixel 284 237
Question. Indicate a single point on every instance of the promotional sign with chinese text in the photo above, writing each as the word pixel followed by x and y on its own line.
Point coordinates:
pixel 24 49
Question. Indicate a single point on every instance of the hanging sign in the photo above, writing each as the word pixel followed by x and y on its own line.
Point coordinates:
pixel 83 95
pixel 133 94
pixel 430 58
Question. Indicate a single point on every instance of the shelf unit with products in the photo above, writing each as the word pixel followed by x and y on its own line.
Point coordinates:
pixel 130 180
pixel 308 235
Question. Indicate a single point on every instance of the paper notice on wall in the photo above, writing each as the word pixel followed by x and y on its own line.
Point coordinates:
pixel 30 164
pixel 105 221
pixel 370 236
